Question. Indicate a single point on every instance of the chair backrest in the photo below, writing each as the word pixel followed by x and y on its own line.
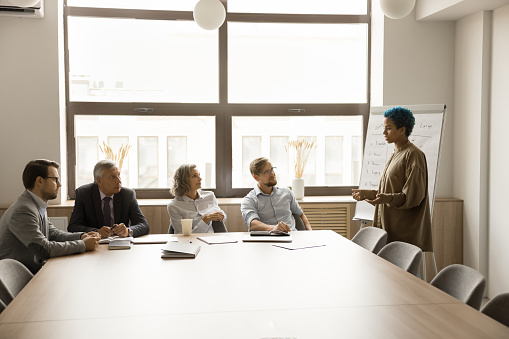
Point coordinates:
pixel 217 226
pixel 498 308
pixel 13 277
pixel 2 306
pixel 463 283
pixel 299 224
pixel 403 255
pixel 371 238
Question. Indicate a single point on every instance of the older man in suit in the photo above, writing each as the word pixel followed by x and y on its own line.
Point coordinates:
pixel 26 233
pixel 107 207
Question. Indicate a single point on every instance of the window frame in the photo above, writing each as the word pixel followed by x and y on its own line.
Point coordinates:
pixel 222 111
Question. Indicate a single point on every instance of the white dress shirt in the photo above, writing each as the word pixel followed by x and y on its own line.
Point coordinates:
pixel 183 207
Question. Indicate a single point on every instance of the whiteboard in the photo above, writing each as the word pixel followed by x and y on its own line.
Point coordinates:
pixel 427 135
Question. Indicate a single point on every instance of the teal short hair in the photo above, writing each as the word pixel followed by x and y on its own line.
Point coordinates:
pixel 401 117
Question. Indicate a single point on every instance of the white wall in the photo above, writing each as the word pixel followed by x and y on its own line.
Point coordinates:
pixel 29 101
pixel 498 276
pixel 419 69
pixel 471 133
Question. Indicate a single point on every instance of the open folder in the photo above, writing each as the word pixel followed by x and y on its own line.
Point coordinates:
pixel 179 250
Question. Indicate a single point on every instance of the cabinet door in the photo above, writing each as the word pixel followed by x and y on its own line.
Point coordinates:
pixel 328 216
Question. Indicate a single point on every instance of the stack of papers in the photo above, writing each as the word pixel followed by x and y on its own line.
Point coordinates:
pixel 120 244
pixel 179 250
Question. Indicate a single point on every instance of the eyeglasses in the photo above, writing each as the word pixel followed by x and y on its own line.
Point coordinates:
pixel 268 172
pixel 57 179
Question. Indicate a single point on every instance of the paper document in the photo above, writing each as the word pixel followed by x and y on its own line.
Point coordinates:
pixel 154 239
pixel 297 246
pixel 217 239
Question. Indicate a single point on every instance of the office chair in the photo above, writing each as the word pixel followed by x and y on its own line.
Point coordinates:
pixel 371 238
pixel 13 277
pixel 461 282
pixel 403 255
pixel 299 224
pixel 217 226
pixel 498 308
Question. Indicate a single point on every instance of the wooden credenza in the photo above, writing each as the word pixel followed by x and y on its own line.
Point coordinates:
pixel 334 213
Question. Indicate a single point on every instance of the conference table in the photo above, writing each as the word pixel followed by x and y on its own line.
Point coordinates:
pixel 238 290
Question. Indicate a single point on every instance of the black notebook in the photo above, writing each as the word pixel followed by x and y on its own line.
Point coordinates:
pixel 180 250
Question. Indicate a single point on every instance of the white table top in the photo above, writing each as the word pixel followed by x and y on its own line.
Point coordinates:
pixel 237 290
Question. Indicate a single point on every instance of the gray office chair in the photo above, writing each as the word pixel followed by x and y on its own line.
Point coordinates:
pixel 403 255
pixel 498 308
pixel 463 283
pixel 371 238
pixel 2 306
pixel 217 226
pixel 13 277
pixel 299 224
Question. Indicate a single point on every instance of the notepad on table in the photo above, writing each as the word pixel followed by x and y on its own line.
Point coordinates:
pixel 154 239
pixel 297 246
pixel 217 239
pixel 120 244
pixel 113 237
pixel 179 250
pixel 267 238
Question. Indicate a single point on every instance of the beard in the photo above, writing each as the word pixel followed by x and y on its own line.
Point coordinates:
pixel 49 195
pixel 271 183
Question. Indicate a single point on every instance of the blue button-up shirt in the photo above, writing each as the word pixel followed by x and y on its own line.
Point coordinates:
pixel 271 208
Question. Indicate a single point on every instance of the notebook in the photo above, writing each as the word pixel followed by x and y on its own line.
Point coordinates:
pixel 120 244
pixel 217 239
pixel 267 238
pixel 114 237
pixel 154 239
pixel 180 250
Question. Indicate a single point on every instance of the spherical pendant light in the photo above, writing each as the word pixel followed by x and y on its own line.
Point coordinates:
pixel 397 9
pixel 209 14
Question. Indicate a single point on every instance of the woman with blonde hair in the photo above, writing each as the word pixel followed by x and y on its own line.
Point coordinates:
pixel 191 202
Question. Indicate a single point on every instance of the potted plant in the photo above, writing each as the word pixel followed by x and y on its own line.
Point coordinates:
pixel 299 151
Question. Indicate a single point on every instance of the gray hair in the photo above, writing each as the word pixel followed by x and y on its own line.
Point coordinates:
pixel 101 166
pixel 181 180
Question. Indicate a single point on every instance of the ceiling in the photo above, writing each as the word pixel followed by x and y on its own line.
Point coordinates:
pixel 452 10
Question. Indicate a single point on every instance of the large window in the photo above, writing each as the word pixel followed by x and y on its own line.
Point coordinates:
pixel 143 74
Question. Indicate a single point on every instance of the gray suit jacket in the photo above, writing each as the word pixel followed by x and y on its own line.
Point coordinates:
pixel 22 239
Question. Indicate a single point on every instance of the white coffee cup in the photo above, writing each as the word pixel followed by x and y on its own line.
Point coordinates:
pixel 187 226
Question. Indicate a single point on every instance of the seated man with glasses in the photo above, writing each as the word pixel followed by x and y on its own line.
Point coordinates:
pixel 269 207
pixel 26 233
pixel 106 207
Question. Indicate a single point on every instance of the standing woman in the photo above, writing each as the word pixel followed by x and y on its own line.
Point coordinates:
pixel 191 202
pixel 402 201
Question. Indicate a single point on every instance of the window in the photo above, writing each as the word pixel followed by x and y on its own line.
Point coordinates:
pixel 144 74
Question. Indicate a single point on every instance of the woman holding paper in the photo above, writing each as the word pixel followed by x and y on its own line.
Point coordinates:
pixel 401 201
pixel 191 202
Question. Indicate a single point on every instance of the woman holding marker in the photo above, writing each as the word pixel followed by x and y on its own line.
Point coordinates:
pixel 401 201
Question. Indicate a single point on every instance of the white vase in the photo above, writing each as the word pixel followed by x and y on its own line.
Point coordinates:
pixel 298 188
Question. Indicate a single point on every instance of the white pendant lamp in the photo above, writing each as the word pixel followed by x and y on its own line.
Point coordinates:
pixel 209 14
pixel 24 3
pixel 397 9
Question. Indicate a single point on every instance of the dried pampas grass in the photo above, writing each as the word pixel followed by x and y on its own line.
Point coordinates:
pixel 119 157
pixel 302 149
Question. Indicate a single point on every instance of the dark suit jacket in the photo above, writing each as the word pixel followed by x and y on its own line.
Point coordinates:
pixel 87 214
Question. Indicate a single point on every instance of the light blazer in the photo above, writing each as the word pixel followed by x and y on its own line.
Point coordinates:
pixel 87 214
pixel 21 236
